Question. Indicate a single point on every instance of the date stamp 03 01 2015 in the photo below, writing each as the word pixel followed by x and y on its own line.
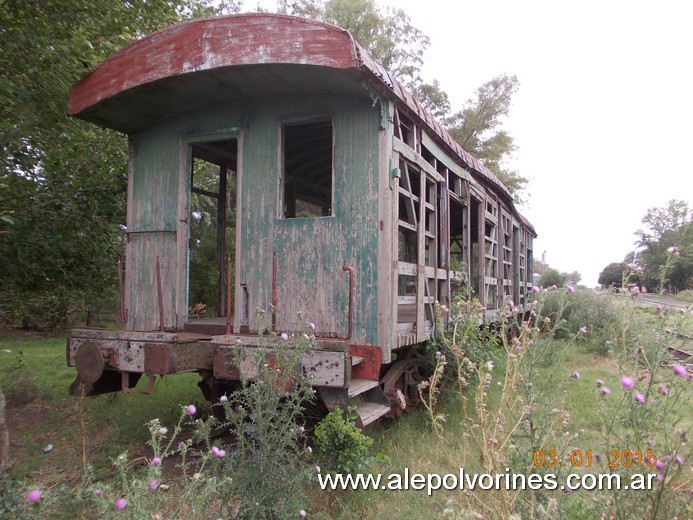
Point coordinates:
pixel 586 458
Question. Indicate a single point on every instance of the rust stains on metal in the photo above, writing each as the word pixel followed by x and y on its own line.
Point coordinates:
pixel 351 301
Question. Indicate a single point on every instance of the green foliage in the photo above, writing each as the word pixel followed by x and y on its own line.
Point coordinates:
pixel 665 229
pixel 613 274
pixel 477 129
pixel 552 277
pixel 585 315
pixel 342 444
pixel 203 268
pixel 685 296
pixel 463 341
pixel 646 413
pixel 62 187
pixel 268 466
pixel 20 385
pixel 63 181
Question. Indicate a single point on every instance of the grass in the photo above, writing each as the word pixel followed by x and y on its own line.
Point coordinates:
pixel 114 423
pixel 35 379
pixel 410 443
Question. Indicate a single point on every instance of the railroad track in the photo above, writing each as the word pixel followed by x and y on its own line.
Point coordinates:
pixel 652 300
pixel 683 354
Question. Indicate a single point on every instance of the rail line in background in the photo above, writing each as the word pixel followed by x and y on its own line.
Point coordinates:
pixel 683 354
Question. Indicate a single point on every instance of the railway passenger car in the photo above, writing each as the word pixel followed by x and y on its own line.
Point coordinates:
pixel 351 206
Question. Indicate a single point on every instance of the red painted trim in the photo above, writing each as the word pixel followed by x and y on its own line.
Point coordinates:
pixel 212 43
pixel 369 368
pixel 249 39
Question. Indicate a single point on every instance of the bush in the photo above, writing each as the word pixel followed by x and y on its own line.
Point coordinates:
pixel 594 318
pixel 342 445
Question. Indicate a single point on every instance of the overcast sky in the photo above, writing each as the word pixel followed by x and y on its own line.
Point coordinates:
pixel 603 117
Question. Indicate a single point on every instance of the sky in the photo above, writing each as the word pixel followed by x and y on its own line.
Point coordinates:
pixel 603 119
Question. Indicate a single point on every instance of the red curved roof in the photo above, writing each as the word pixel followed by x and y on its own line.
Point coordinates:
pixel 204 61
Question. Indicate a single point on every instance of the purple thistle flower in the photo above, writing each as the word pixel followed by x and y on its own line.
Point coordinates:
pixel 600 382
pixel 576 375
pixel 34 496
pixel 535 289
pixel 662 388
pixel 311 326
pixel 156 461
pixel 284 336
pixel 583 329
pixel 302 429
pixel 659 308
pixel 438 353
pixel 215 451
pixel 679 460
pixel 605 390
pixel 660 465
pixel 639 398
pixel 660 477
pixel 627 382
pixel 120 504
pixel 191 410
pixel 221 453
pixel 680 370
pixel 153 484
pixel 570 289
pixel 223 399
pixel 97 492
pixel 309 449
pixel 317 469
pixel 302 513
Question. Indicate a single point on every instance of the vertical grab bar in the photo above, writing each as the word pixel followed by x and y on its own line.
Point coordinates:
pixel 351 300
pixel 228 296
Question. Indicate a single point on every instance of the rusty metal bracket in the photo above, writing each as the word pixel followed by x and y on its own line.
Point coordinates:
pixel 274 292
pixel 121 295
pixel 160 295
pixel 351 300
pixel 228 296
pixel 125 384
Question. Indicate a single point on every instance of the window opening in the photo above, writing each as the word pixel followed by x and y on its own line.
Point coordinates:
pixel 308 169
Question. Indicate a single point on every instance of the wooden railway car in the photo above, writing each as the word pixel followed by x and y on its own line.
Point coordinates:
pixel 353 207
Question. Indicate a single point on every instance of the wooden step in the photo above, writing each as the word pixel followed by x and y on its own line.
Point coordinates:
pixel 359 386
pixel 356 360
pixel 369 412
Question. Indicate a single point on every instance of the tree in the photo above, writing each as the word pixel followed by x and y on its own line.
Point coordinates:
pixel 552 277
pixel 614 274
pixel 574 276
pixel 666 228
pixel 477 129
pixel 63 181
